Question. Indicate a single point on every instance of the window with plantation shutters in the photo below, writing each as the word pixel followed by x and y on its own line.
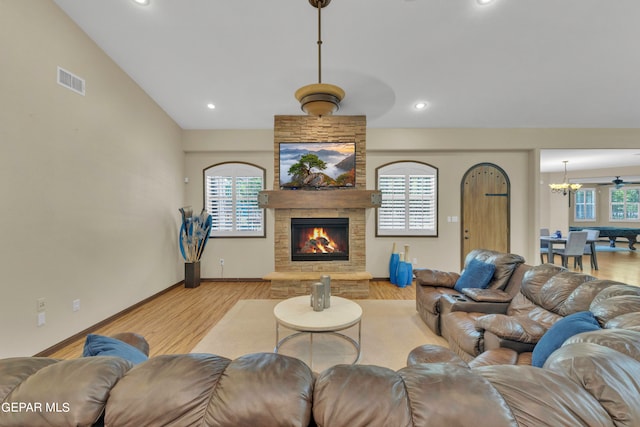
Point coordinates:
pixel 231 197
pixel 585 205
pixel 409 200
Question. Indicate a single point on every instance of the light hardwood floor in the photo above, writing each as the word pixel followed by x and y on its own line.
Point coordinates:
pixel 175 321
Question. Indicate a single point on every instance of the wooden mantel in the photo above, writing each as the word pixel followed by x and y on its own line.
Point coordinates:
pixel 319 199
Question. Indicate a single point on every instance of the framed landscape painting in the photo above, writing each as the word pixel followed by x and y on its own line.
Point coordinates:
pixel 317 165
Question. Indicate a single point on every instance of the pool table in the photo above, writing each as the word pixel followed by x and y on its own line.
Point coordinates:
pixel 612 233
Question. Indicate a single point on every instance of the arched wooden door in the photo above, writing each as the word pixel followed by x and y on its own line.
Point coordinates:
pixel 486 197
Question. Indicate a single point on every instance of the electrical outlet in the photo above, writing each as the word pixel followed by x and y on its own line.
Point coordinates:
pixel 40 305
pixel 415 261
pixel 221 261
pixel 41 319
pixel 76 305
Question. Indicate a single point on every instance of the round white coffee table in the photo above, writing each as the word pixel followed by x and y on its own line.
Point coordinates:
pixel 297 314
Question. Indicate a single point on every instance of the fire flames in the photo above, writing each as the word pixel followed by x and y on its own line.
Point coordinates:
pixel 318 241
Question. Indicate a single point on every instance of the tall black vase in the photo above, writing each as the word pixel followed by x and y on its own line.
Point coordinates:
pixel 192 274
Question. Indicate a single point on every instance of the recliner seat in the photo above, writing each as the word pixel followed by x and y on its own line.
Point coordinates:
pixel 432 285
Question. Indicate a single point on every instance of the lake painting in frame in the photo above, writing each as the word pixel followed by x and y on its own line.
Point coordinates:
pixel 317 164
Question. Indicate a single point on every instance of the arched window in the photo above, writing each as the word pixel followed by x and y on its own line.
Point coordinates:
pixel 409 199
pixel 231 197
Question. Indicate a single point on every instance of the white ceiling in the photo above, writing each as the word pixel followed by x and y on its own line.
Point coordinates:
pixel 512 63
pixel 579 160
pixel 594 160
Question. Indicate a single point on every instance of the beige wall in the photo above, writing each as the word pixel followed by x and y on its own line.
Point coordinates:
pixel 246 257
pixel 89 185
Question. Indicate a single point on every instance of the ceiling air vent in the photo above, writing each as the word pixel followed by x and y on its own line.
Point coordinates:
pixel 70 81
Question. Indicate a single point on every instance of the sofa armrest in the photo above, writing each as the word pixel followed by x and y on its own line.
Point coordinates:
pixel 487 295
pixel 428 277
pixel 451 303
pixel 431 353
pixel 519 329
pixel 501 356
pixel 493 342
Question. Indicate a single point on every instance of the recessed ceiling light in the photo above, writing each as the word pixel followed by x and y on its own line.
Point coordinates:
pixel 421 105
pixel 484 1
pixel 142 2
pixel 211 106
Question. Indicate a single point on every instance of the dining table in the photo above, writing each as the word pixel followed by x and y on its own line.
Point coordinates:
pixel 552 240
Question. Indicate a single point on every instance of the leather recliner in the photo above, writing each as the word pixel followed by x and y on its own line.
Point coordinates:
pixel 432 285
pixel 547 294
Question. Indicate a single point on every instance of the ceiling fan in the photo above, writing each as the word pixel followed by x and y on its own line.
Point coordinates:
pixel 619 182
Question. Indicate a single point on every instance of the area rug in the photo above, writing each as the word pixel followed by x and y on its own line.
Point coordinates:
pixel 390 330
pixel 620 247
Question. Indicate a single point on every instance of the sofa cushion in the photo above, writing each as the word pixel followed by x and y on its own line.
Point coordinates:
pixel 615 306
pixel 608 375
pixel 562 330
pixel 477 274
pixel 621 340
pixel 98 345
pixel 69 392
pixel 506 265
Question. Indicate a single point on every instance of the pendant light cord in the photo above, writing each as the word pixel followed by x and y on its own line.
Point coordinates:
pixel 319 42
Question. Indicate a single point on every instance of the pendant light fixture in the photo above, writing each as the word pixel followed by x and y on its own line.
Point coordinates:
pixel 320 99
pixel 565 187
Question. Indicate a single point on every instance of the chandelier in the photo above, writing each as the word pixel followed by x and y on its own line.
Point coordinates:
pixel 320 99
pixel 565 187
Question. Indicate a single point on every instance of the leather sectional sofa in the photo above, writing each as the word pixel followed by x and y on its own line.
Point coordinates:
pixel 592 380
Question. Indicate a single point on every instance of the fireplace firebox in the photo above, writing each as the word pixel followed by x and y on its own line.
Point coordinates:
pixel 319 239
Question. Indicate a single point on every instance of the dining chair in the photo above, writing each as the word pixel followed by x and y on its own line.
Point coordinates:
pixel 544 246
pixel 576 240
pixel 592 235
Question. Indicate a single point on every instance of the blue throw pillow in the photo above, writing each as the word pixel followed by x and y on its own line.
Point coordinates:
pixel 477 274
pixel 561 331
pixel 98 345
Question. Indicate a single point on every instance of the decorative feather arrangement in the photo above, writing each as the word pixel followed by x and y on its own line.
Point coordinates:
pixel 194 233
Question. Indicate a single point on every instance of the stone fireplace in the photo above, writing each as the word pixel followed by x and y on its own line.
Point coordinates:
pixel 331 209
